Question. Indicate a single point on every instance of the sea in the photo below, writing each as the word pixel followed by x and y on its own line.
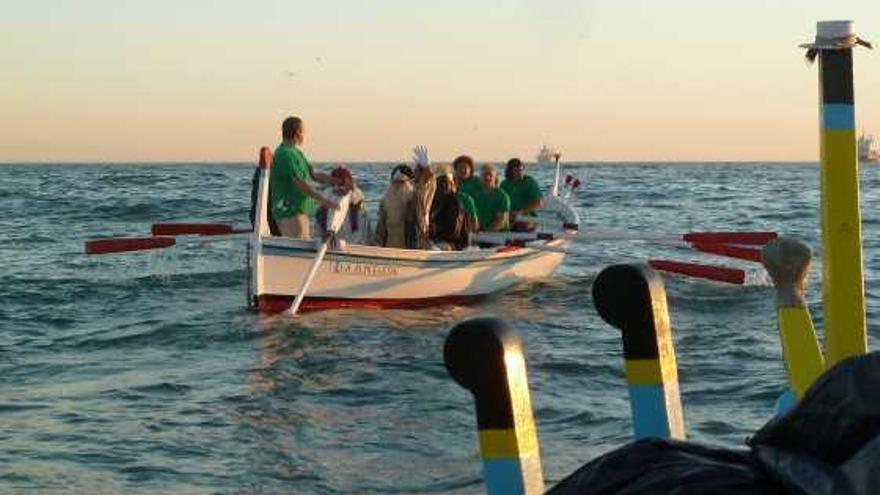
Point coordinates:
pixel 147 373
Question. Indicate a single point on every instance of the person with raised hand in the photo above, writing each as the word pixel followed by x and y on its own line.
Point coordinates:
pixel 425 187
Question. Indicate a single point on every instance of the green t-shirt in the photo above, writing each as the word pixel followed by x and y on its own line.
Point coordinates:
pixel 521 192
pixel 286 200
pixel 494 202
pixel 474 188
pixel 467 203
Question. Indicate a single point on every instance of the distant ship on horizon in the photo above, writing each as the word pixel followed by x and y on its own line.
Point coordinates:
pixel 868 150
pixel 546 156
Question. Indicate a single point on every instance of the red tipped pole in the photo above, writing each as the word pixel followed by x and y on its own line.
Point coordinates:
pixel 750 238
pixel 731 251
pixel 174 228
pixel 107 246
pixel 709 272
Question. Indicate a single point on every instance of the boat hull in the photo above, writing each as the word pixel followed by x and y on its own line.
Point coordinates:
pixel 376 277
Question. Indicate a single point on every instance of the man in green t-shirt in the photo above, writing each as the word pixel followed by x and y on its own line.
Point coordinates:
pixel 525 194
pixel 292 196
pixel 494 210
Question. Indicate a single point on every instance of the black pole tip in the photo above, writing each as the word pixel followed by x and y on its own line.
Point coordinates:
pixel 474 352
pixel 624 295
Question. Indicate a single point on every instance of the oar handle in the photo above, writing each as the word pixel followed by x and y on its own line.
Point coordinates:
pixel 708 272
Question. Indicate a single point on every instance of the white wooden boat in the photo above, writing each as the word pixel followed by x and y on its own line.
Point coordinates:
pixel 377 277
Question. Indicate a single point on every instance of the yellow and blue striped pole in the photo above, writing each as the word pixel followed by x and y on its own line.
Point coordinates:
pixel 842 283
pixel 788 263
pixel 633 299
pixel 484 355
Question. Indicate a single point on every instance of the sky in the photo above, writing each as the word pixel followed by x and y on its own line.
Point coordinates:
pixel 609 80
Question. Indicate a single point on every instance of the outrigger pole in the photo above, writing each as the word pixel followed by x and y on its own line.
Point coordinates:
pixel 843 292
pixel 556 156
pixel 485 356
pixel 788 263
pixel 632 299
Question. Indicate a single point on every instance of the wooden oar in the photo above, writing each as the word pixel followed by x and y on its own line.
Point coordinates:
pixel 788 263
pixel 729 250
pixel 709 272
pixel 744 238
pixel 107 246
pixel 178 228
pixel 129 244
pixel 338 217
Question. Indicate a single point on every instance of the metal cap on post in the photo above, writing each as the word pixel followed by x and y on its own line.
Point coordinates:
pixel 788 263
pixel 484 355
pixel 632 298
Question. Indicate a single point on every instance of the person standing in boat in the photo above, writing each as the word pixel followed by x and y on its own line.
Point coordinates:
pixel 469 187
pixel 291 193
pixel 495 208
pixel 525 195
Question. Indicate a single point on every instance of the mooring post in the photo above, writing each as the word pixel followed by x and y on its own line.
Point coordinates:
pixel 632 298
pixel 788 263
pixel 484 355
pixel 842 282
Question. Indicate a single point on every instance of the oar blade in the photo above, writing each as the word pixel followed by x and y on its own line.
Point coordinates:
pixel 340 214
pixel 337 218
pixel 729 250
pixel 175 228
pixel 108 246
pixel 748 238
pixel 708 272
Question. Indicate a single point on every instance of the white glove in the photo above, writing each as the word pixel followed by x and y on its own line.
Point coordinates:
pixel 420 156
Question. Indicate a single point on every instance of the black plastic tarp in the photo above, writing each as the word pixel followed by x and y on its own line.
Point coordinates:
pixel 828 444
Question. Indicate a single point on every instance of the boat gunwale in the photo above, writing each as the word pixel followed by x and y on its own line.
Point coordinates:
pixel 493 255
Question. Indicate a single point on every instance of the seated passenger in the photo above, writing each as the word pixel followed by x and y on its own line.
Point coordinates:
pixel 525 196
pixel 470 188
pixel 450 225
pixel 494 210
pixel 354 229
pixel 396 212
pixel 466 181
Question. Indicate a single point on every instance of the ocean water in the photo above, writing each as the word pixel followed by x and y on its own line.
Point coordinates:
pixel 146 373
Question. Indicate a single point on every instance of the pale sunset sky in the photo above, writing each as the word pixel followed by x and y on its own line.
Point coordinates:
pixel 601 80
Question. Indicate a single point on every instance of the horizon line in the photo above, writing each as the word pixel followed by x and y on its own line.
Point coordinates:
pixel 396 162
